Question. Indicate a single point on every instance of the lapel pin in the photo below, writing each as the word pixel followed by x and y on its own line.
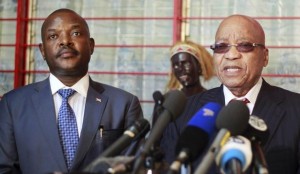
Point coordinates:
pixel 98 99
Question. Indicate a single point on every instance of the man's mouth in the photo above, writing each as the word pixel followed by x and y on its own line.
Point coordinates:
pixel 67 53
pixel 232 68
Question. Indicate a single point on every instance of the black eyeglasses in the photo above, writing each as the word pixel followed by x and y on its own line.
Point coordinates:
pixel 241 47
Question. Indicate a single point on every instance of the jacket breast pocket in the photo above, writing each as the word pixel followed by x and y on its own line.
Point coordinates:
pixel 108 137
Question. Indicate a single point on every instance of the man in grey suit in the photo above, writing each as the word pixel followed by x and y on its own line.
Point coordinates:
pixel 30 141
pixel 240 55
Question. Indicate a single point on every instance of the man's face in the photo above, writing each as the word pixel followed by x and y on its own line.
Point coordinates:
pixel 186 69
pixel 67 46
pixel 238 69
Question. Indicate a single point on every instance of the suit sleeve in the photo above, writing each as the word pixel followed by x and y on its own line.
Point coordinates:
pixel 134 113
pixel 8 150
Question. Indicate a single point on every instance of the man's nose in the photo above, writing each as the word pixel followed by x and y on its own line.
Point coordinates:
pixel 66 41
pixel 232 53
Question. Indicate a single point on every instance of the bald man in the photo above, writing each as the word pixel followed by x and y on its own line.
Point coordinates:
pixel 240 54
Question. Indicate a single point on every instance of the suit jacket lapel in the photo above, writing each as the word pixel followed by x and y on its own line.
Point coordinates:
pixel 44 106
pixel 268 108
pixel 216 95
pixel 94 108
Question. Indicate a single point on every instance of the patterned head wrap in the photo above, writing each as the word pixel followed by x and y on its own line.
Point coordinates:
pixel 200 53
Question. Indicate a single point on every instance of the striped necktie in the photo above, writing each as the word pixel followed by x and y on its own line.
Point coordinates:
pixel 67 127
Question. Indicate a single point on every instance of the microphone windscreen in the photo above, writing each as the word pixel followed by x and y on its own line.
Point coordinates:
pixel 205 118
pixel 158 97
pixel 233 117
pixel 175 101
pixel 193 140
pixel 199 129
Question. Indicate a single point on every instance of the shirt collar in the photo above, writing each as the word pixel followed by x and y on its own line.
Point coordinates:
pixel 251 95
pixel 81 86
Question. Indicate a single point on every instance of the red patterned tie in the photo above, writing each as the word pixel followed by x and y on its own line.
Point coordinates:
pixel 245 100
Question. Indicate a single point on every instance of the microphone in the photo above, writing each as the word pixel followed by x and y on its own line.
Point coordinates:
pixel 235 156
pixel 138 129
pixel 257 130
pixel 122 167
pixel 158 108
pixel 195 136
pixel 173 105
pixel 158 97
pixel 232 120
pixel 258 133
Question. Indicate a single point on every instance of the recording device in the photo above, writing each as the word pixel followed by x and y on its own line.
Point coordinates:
pixel 235 156
pixel 174 104
pixel 258 133
pixel 138 129
pixel 195 136
pixel 232 120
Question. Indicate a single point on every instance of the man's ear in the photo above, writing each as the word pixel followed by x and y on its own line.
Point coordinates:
pixel 41 47
pixel 92 45
pixel 266 55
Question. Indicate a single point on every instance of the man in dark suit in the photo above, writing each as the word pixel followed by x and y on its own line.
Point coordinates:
pixel 240 55
pixel 30 141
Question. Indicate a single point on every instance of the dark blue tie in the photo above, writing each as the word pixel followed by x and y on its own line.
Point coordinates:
pixel 67 127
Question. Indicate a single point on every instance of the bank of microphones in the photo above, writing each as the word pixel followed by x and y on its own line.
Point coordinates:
pixel 227 138
pixel 101 164
pixel 237 148
pixel 195 136
pixel 171 105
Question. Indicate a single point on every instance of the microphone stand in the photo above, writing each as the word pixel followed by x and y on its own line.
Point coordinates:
pixel 234 167
pixel 260 163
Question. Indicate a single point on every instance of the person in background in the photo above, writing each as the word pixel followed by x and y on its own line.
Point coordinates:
pixel 240 55
pixel 39 132
pixel 189 62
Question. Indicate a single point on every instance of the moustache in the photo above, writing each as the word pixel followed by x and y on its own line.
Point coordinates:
pixel 65 49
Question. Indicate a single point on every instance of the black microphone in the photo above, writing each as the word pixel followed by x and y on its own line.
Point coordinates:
pixel 232 120
pixel 257 132
pixel 173 105
pixel 138 129
pixel 195 136
pixel 158 108
pixel 158 97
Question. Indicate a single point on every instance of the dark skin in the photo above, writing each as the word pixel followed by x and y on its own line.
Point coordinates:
pixel 187 71
pixel 67 46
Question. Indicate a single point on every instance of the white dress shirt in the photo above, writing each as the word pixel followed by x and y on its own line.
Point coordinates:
pixel 251 95
pixel 77 101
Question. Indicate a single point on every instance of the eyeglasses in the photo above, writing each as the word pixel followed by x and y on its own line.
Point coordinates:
pixel 243 47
